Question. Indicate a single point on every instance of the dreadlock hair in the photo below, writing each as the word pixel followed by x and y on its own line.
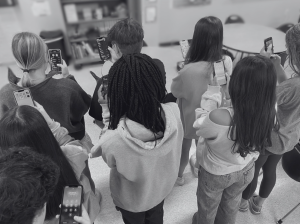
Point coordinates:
pixel 136 90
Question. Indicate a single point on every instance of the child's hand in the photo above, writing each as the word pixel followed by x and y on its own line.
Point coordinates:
pixel 83 219
pixel 267 53
pixel 41 109
pixel 64 69
pixel 276 59
pixel 102 98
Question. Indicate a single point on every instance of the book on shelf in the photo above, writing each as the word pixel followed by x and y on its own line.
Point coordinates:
pixel 82 50
pixel 71 13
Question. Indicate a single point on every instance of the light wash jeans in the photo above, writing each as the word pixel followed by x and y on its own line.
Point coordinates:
pixel 219 196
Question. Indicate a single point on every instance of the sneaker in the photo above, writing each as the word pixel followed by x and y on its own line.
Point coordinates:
pixel 244 206
pixel 193 165
pixel 255 209
pixel 180 181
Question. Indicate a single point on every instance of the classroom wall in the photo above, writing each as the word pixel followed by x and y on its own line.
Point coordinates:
pixel 29 22
pixel 176 24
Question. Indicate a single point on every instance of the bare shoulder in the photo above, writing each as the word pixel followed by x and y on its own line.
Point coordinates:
pixel 220 117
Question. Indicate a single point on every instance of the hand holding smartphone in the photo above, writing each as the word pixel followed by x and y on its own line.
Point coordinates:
pixel 268 42
pixel 23 97
pixel 103 44
pixel 55 59
pixel 219 72
pixel 71 204
pixel 185 46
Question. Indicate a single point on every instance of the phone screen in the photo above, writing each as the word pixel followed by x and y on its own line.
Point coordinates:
pixel 103 44
pixel 71 204
pixel 185 46
pixel 23 97
pixel 55 58
pixel 219 71
pixel 268 42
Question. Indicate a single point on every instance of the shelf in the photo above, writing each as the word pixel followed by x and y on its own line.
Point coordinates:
pixel 79 39
pixel 86 1
pixel 95 21
pixel 87 60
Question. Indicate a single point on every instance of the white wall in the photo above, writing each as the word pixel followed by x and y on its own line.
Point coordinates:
pixel 176 24
pixel 30 23
pixel 9 26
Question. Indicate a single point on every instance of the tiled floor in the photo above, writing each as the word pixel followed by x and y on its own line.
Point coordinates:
pixel 181 204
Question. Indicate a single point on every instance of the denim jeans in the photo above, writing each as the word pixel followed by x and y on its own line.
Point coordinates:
pixel 154 215
pixel 219 196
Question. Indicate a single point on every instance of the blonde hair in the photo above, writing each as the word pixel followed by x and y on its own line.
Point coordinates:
pixel 292 39
pixel 30 52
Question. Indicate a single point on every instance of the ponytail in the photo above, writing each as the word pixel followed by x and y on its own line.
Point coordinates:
pixel 29 51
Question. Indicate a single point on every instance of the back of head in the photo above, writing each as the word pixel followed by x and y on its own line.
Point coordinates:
pixel 30 53
pixel 207 41
pixel 25 126
pixel 27 181
pixel 136 90
pixel 128 34
pixel 252 89
pixel 292 39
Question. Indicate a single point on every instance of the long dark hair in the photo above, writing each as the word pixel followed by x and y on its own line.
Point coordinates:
pixel 25 126
pixel 136 90
pixel 252 89
pixel 207 41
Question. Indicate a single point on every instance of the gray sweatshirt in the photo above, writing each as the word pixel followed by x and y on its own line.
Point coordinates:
pixel 288 114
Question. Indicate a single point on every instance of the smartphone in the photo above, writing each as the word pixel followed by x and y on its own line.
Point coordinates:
pixel 55 58
pixel 71 204
pixel 219 72
pixel 268 42
pixel 23 97
pixel 185 46
pixel 104 86
pixel 103 44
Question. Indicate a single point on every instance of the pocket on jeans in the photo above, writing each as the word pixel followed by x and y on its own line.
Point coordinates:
pixel 249 174
pixel 213 182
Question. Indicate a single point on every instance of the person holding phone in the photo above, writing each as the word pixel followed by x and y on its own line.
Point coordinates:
pixel 288 116
pixel 231 138
pixel 27 126
pixel 64 99
pixel 141 141
pixel 24 170
pixel 126 37
pixel 192 81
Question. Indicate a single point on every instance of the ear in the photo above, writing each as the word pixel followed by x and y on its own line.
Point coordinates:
pixel 117 49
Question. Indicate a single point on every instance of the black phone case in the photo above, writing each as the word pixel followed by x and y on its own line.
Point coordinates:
pixel 265 42
pixel 105 85
pixel 58 59
pixel 103 44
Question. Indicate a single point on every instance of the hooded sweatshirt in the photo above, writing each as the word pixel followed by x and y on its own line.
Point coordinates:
pixel 63 99
pixel 143 171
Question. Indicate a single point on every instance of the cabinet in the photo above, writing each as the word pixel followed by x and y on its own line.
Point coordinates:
pixel 88 19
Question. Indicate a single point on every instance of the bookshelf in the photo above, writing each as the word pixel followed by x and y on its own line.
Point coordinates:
pixel 88 19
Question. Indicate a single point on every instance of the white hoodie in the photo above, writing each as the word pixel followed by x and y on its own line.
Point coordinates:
pixel 143 172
